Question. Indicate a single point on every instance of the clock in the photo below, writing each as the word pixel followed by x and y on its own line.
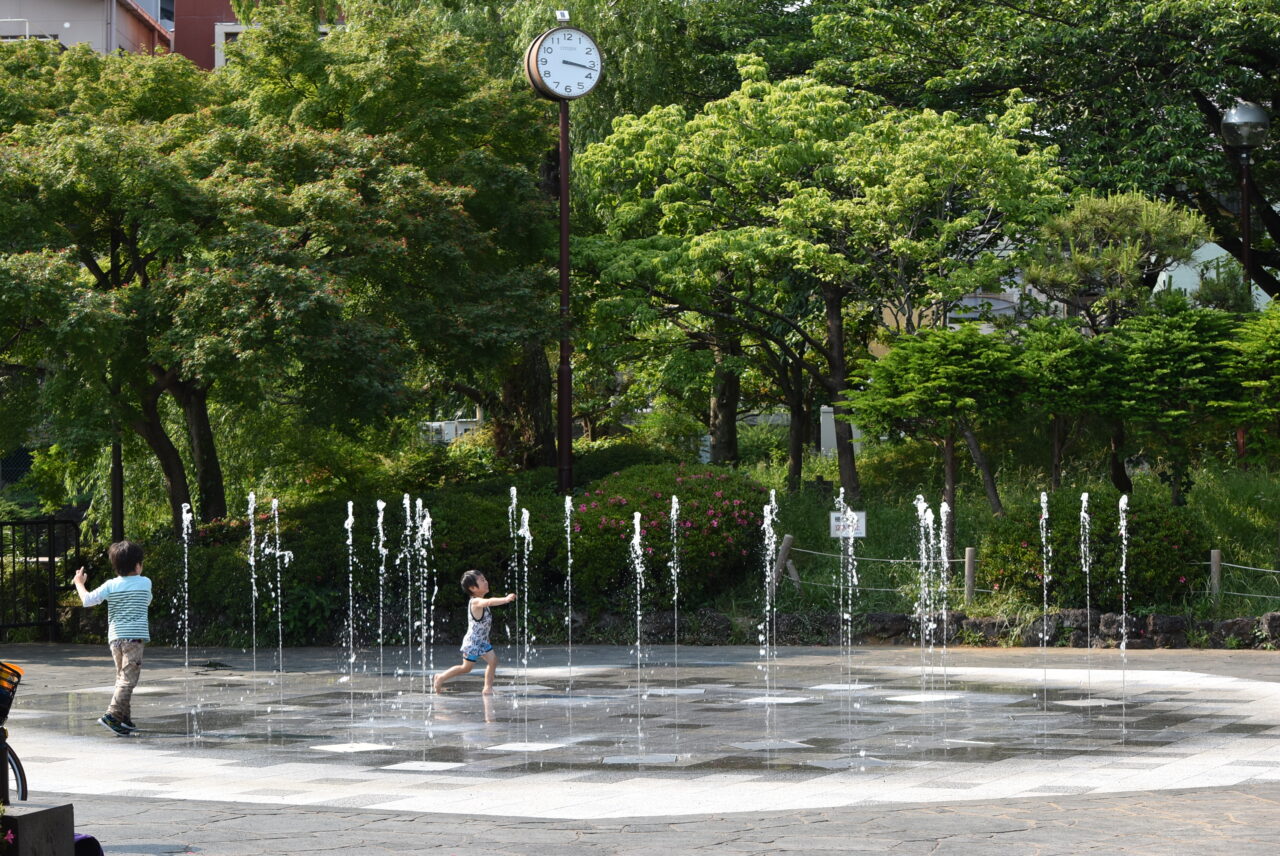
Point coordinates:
pixel 563 64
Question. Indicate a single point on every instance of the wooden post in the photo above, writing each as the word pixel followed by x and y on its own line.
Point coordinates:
pixel 1215 576
pixel 970 572
pixel 780 561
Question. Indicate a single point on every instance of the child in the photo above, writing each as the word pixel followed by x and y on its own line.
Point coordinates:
pixel 127 597
pixel 476 643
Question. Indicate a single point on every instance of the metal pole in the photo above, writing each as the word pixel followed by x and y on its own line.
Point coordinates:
pixel 970 572
pixel 4 766
pixel 117 492
pixel 1215 576
pixel 1246 238
pixel 564 377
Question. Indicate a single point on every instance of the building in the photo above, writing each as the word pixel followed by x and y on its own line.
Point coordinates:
pixel 196 29
pixel 106 25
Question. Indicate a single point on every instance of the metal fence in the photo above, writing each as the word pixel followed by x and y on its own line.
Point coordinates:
pixel 37 558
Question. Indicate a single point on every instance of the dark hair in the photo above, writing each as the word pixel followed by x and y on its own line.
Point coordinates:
pixel 470 580
pixel 125 557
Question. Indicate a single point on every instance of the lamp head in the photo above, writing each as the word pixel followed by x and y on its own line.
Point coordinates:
pixel 1246 126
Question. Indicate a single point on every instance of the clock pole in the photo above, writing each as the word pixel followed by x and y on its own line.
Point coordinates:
pixel 564 377
pixel 562 64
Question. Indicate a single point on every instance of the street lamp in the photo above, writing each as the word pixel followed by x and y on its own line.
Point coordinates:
pixel 1244 128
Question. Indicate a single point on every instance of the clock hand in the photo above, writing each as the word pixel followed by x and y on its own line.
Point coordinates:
pixel 578 64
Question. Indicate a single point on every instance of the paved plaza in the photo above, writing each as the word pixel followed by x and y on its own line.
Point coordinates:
pixel 876 750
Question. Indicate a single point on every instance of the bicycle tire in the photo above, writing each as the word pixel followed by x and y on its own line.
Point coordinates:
pixel 17 776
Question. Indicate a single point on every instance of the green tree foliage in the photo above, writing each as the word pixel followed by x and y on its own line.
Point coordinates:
pixel 1257 365
pixel 1131 91
pixel 795 216
pixel 261 234
pixel 1069 377
pixel 1103 257
pixel 940 385
pixel 1177 381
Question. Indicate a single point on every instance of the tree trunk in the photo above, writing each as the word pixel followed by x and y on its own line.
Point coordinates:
pixel 117 491
pixel 949 488
pixel 837 382
pixel 984 468
pixel 726 393
pixel 1119 476
pixel 1176 497
pixel 797 433
pixel 194 400
pixel 525 429
pixel 150 428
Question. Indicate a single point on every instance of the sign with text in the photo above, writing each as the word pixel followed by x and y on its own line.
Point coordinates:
pixel 851 525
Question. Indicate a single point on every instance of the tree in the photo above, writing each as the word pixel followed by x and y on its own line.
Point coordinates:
pixel 793 214
pixel 1131 91
pixel 940 385
pixel 1103 258
pixel 1177 381
pixel 1068 377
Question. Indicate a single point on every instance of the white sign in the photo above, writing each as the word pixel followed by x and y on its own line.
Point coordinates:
pixel 852 525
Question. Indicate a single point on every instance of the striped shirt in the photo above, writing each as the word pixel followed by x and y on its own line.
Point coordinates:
pixel 127 601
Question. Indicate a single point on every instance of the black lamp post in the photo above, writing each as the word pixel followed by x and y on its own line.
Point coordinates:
pixel 1244 128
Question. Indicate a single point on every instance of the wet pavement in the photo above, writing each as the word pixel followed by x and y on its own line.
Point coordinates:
pixel 713 745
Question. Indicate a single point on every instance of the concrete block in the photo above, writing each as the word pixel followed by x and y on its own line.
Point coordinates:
pixel 40 829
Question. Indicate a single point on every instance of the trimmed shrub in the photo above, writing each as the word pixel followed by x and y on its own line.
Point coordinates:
pixel 1164 542
pixel 718 534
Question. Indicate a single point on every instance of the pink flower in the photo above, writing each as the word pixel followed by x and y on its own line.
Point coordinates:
pixel 1182 579
pixel 713 553
pixel 8 837
pixel 648 549
pixel 688 524
pixel 577 527
pixel 595 505
pixel 719 494
pixel 744 552
pixel 995 586
pixel 582 507
pixel 715 522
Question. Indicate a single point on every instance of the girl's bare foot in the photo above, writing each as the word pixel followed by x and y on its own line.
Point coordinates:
pixel 437 684
pixel 487 691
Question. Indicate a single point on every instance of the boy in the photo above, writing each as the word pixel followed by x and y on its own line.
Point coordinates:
pixel 128 632
pixel 475 645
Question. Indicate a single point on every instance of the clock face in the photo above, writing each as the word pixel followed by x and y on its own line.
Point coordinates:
pixel 564 63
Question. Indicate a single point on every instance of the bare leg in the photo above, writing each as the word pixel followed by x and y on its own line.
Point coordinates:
pixel 490 669
pixel 460 669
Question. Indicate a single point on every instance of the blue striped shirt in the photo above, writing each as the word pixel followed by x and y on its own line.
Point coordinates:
pixel 127 601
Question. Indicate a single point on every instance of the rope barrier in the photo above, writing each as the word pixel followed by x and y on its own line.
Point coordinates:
pixel 865 558
pixel 1244 594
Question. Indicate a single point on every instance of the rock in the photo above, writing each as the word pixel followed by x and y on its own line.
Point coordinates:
pixel 1109 625
pixel 1239 629
pixel 1046 624
pixel 988 629
pixel 1270 624
pixel 1163 625
pixel 886 626
pixel 1079 619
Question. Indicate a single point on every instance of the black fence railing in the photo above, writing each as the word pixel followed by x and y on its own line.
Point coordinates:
pixel 37 558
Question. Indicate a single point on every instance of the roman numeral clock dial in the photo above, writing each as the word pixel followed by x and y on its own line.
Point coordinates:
pixel 563 64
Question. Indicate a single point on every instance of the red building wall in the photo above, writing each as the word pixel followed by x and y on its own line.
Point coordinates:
pixel 193 22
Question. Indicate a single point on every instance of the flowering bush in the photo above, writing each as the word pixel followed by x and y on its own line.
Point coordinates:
pixel 717 534
pixel 1164 544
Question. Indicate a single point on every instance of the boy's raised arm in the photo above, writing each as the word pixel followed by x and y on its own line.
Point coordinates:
pixel 496 601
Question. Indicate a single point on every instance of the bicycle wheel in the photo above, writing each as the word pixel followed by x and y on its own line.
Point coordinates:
pixel 17 776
